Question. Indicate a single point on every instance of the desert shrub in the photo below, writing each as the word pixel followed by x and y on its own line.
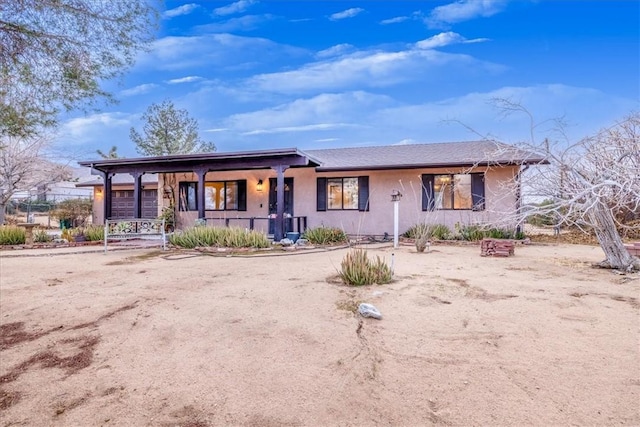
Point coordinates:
pixel 414 230
pixel 358 270
pixel 41 236
pixel 67 235
pixel 471 233
pixel 325 235
pixel 94 233
pixel 437 231
pixel 12 235
pixel 231 237
pixel 73 212
pixel 441 232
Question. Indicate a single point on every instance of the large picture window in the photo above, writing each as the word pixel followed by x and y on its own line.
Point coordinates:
pixel 221 196
pixel 453 191
pixel 342 193
pixel 349 193
pixel 218 196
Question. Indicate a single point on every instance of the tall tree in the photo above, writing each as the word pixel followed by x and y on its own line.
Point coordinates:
pixel 168 130
pixel 23 167
pixel 54 54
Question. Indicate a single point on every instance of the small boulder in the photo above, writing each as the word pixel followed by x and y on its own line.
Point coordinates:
pixel 368 310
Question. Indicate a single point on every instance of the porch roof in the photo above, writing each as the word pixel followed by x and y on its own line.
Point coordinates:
pixel 238 160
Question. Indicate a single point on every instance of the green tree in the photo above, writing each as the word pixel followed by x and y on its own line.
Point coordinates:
pixel 111 154
pixel 168 130
pixel 54 54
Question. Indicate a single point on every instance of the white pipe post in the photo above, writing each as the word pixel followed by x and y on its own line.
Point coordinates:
pixel 396 205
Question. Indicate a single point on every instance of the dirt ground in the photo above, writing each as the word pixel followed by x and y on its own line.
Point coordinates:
pixel 149 338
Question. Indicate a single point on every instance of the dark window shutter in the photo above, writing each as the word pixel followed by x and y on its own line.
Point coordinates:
pixel 242 195
pixel 477 191
pixel 321 194
pixel 363 193
pixel 428 196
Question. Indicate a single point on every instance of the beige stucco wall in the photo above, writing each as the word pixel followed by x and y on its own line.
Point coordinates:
pixel 499 193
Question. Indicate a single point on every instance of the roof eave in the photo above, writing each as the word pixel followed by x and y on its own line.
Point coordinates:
pixel 429 166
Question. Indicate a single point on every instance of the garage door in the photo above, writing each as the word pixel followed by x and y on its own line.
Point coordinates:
pixel 122 203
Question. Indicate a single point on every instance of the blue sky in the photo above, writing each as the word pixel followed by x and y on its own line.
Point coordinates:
pixel 325 74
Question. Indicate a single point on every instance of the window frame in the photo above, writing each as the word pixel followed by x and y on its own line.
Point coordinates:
pixel 322 193
pixel 241 195
pixel 477 189
pixel 186 185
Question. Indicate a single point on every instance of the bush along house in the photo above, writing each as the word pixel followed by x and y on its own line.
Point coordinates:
pixel 288 190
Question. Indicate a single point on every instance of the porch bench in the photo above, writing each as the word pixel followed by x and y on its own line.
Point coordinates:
pixel 136 228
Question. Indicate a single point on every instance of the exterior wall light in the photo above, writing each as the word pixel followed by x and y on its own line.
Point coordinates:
pixel 259 185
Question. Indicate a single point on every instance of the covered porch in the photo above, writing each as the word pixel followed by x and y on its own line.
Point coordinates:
pixel 198 165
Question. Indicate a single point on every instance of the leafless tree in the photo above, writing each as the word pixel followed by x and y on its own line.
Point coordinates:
pixel 590 183
pixel 23 167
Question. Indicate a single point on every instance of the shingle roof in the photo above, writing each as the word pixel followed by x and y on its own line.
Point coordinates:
pixel 422 155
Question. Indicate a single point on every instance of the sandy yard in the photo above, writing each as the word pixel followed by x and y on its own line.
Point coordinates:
pixel 145 338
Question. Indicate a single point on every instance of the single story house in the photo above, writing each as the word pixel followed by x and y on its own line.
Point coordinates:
pixel 281 190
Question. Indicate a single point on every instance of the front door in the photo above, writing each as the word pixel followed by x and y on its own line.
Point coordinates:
pixel 288 203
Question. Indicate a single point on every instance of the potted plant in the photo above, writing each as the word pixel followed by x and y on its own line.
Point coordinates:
pixel 169 216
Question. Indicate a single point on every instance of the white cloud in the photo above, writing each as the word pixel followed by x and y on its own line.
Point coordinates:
pixel 365 69
pixel 443 120
pixel 237 7
pixel 96 127
pixel 215 130
pixel 465 10
pixel 139 90
pixel 305 128
pixel 444 39
pixel 187 79
pixel 336 50
pixel 349 13
pixel 320 113
pixel 185 9
pixel 242 23
pixel 212 50
pixel 395 20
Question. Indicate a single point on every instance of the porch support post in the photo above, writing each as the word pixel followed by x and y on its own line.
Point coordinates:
pixel 201 172
pixel 278 229
pixel 106 177
pixel 137 194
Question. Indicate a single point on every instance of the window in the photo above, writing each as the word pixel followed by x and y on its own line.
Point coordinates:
pixel 350 193
pixel 225 195
pixel 218 196
pixel 188 195
pixel 456 191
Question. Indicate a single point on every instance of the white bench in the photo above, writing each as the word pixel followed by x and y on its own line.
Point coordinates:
pixel 137 228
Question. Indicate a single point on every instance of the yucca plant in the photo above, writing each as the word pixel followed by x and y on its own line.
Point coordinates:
pixel 441 232
pixel 222 237
pixel 41 236
pixel 94 233
pixel 358 270
pixel 325 235
pixel 12 235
